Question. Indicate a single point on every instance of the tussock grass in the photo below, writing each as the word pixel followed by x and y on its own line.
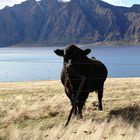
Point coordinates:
pixel 38 111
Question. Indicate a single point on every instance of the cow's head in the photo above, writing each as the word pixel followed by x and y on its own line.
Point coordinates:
pixel 73 56
pixel 72 53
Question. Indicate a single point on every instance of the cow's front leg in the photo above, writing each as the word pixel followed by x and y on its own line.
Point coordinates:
pixel 74 104
pixel 81 101
pixel 71 97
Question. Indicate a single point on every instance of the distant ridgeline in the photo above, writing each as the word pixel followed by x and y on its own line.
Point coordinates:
pixel 79 21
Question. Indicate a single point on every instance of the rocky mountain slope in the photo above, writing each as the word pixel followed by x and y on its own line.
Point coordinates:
pixel 79 21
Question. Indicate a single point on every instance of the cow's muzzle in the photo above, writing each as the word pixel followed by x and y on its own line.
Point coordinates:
pixel 69 68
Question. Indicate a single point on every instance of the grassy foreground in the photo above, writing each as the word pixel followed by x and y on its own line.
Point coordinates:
pixel 38 111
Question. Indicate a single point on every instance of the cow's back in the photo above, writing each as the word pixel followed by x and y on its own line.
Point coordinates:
pixel 96 69
pixel 96 74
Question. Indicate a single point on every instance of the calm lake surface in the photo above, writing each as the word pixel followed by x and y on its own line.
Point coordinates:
pixel 31 64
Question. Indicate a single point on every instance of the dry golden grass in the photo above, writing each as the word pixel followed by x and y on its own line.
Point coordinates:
pixel 38 111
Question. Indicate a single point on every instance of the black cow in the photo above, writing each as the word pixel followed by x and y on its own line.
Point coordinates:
pixel 76 65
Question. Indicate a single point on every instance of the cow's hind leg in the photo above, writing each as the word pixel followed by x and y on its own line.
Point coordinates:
pixel 81 101
pixel 100 96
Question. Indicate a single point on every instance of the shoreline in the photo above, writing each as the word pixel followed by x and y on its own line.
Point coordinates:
pixel 41 81
pixel 96 44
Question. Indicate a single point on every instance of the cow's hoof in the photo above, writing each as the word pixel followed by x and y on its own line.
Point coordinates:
pixel 79 116
pixel 100 109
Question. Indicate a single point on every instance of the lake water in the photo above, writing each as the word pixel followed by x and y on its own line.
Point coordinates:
pixel 31 64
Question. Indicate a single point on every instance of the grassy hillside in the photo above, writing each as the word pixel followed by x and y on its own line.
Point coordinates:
pixel 38 111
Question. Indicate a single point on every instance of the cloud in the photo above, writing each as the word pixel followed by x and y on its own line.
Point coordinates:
pixel 64 0
pixel 10 2
pixel 115 2
pixel 4 3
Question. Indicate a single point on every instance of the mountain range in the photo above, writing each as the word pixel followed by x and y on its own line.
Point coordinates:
pixel 57 23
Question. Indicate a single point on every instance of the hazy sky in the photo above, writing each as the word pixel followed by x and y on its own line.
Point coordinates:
pixel 128 3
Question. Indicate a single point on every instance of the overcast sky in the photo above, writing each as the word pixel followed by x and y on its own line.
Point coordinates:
pixel 127 3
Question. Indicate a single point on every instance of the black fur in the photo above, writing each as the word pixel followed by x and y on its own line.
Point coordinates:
pixel 76 65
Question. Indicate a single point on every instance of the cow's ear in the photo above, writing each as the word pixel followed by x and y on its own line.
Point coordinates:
pixel 87 51
pixel 59 52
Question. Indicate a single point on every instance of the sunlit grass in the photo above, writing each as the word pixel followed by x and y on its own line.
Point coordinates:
pixel 38 110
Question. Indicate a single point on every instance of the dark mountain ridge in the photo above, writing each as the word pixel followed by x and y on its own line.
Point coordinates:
pixel 79 21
